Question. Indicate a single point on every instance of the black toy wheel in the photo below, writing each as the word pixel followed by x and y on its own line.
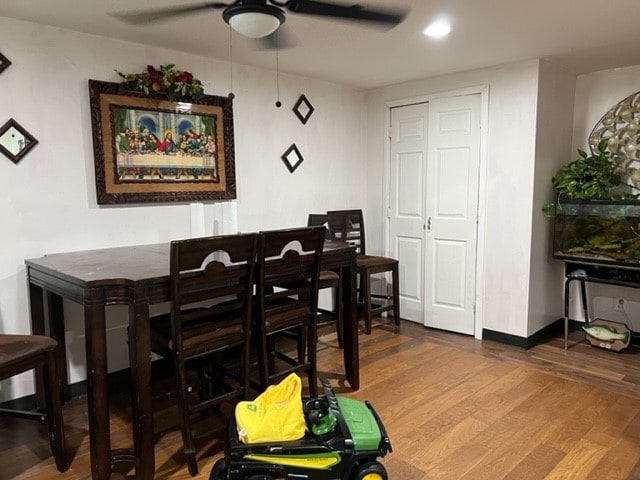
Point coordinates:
pixel 219 470
pixel 371 471
pixel 260 477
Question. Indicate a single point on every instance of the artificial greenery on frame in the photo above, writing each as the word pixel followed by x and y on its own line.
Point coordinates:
pixel 166 80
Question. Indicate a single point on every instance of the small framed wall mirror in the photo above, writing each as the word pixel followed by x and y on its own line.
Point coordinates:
pixel 4 62
pixel 292 158
pixel 303 109
pixel 15 141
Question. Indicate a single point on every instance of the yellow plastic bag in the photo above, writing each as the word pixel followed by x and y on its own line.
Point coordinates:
pixel 275 415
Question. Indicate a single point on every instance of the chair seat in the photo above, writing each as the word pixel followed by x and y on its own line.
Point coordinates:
pixel 374 262
pixel 15 349
pixel 328 279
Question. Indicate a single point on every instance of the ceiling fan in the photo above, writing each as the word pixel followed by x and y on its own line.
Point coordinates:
pixel 261 18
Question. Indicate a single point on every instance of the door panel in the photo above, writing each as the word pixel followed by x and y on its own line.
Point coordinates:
pixel 410 183
pixel 406 212
pixel 410 251
pixel 452 176
pixel 449 265
pixel 451 206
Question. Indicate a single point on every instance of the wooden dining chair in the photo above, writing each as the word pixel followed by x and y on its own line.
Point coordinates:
pixel 348 225
pixel 211 282
pixel 329 280
pixel 288 269
pixel 20 353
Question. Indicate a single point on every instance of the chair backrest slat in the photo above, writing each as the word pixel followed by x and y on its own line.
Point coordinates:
pixel 319 219
pixel 348 226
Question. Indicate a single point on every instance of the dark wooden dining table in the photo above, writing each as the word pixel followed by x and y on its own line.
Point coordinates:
pixel 137 276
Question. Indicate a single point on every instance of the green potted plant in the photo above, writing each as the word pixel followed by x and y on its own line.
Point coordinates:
pixel 590 177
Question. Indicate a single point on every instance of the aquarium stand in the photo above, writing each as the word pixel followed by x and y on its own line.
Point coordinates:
pixel 586 273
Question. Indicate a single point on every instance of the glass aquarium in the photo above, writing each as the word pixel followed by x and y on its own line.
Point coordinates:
pixel 598 232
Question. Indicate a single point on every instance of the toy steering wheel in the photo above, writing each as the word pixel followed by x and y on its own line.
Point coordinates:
pixel 320 411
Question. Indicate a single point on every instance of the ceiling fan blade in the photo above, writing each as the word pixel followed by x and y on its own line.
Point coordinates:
pixel 390 17
pixel 138 17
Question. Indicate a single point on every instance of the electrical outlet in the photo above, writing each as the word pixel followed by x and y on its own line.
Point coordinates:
pixel 618 304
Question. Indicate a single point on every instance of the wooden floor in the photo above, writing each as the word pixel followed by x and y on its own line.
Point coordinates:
pixel 454 407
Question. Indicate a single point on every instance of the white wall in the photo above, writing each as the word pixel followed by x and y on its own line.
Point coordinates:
pixel 49 200
pixel 556 89
pixel 506 189
pixel 596 93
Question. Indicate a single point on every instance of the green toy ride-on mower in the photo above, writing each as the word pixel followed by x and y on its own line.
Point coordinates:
pixel 344 438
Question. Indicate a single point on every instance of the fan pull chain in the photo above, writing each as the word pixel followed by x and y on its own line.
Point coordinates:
pixel 278 102
pixel 231 94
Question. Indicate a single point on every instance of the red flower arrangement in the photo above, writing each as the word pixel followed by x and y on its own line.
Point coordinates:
pixel 165 81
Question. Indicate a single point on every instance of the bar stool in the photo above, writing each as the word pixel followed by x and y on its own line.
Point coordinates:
pixel 287 274
pixel 348 226
pixel 211 281
pixel 20 353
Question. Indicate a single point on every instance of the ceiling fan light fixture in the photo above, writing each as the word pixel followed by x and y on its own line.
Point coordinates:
pixel 254 21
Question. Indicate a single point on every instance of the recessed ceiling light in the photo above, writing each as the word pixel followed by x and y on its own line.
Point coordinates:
pixel 438 29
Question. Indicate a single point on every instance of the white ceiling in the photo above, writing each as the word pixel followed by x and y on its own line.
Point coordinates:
pixel 584 35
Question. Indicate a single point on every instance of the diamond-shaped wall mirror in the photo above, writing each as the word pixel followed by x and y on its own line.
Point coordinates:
pixel 292 158
pixel 303 109
pixel 4 63
pixel 15 141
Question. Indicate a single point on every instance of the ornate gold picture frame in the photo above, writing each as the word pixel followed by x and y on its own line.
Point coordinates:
pixel 150 149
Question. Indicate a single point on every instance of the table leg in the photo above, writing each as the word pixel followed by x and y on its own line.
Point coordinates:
pixel 350 316
pixel 36 305
pixel 56 330
pixel 97 390
pixel 53 304
pixel 142 404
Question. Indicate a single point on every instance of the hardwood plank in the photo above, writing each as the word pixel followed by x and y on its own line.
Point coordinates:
pixel 580 461
pixel 537 464
pixel 617 463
